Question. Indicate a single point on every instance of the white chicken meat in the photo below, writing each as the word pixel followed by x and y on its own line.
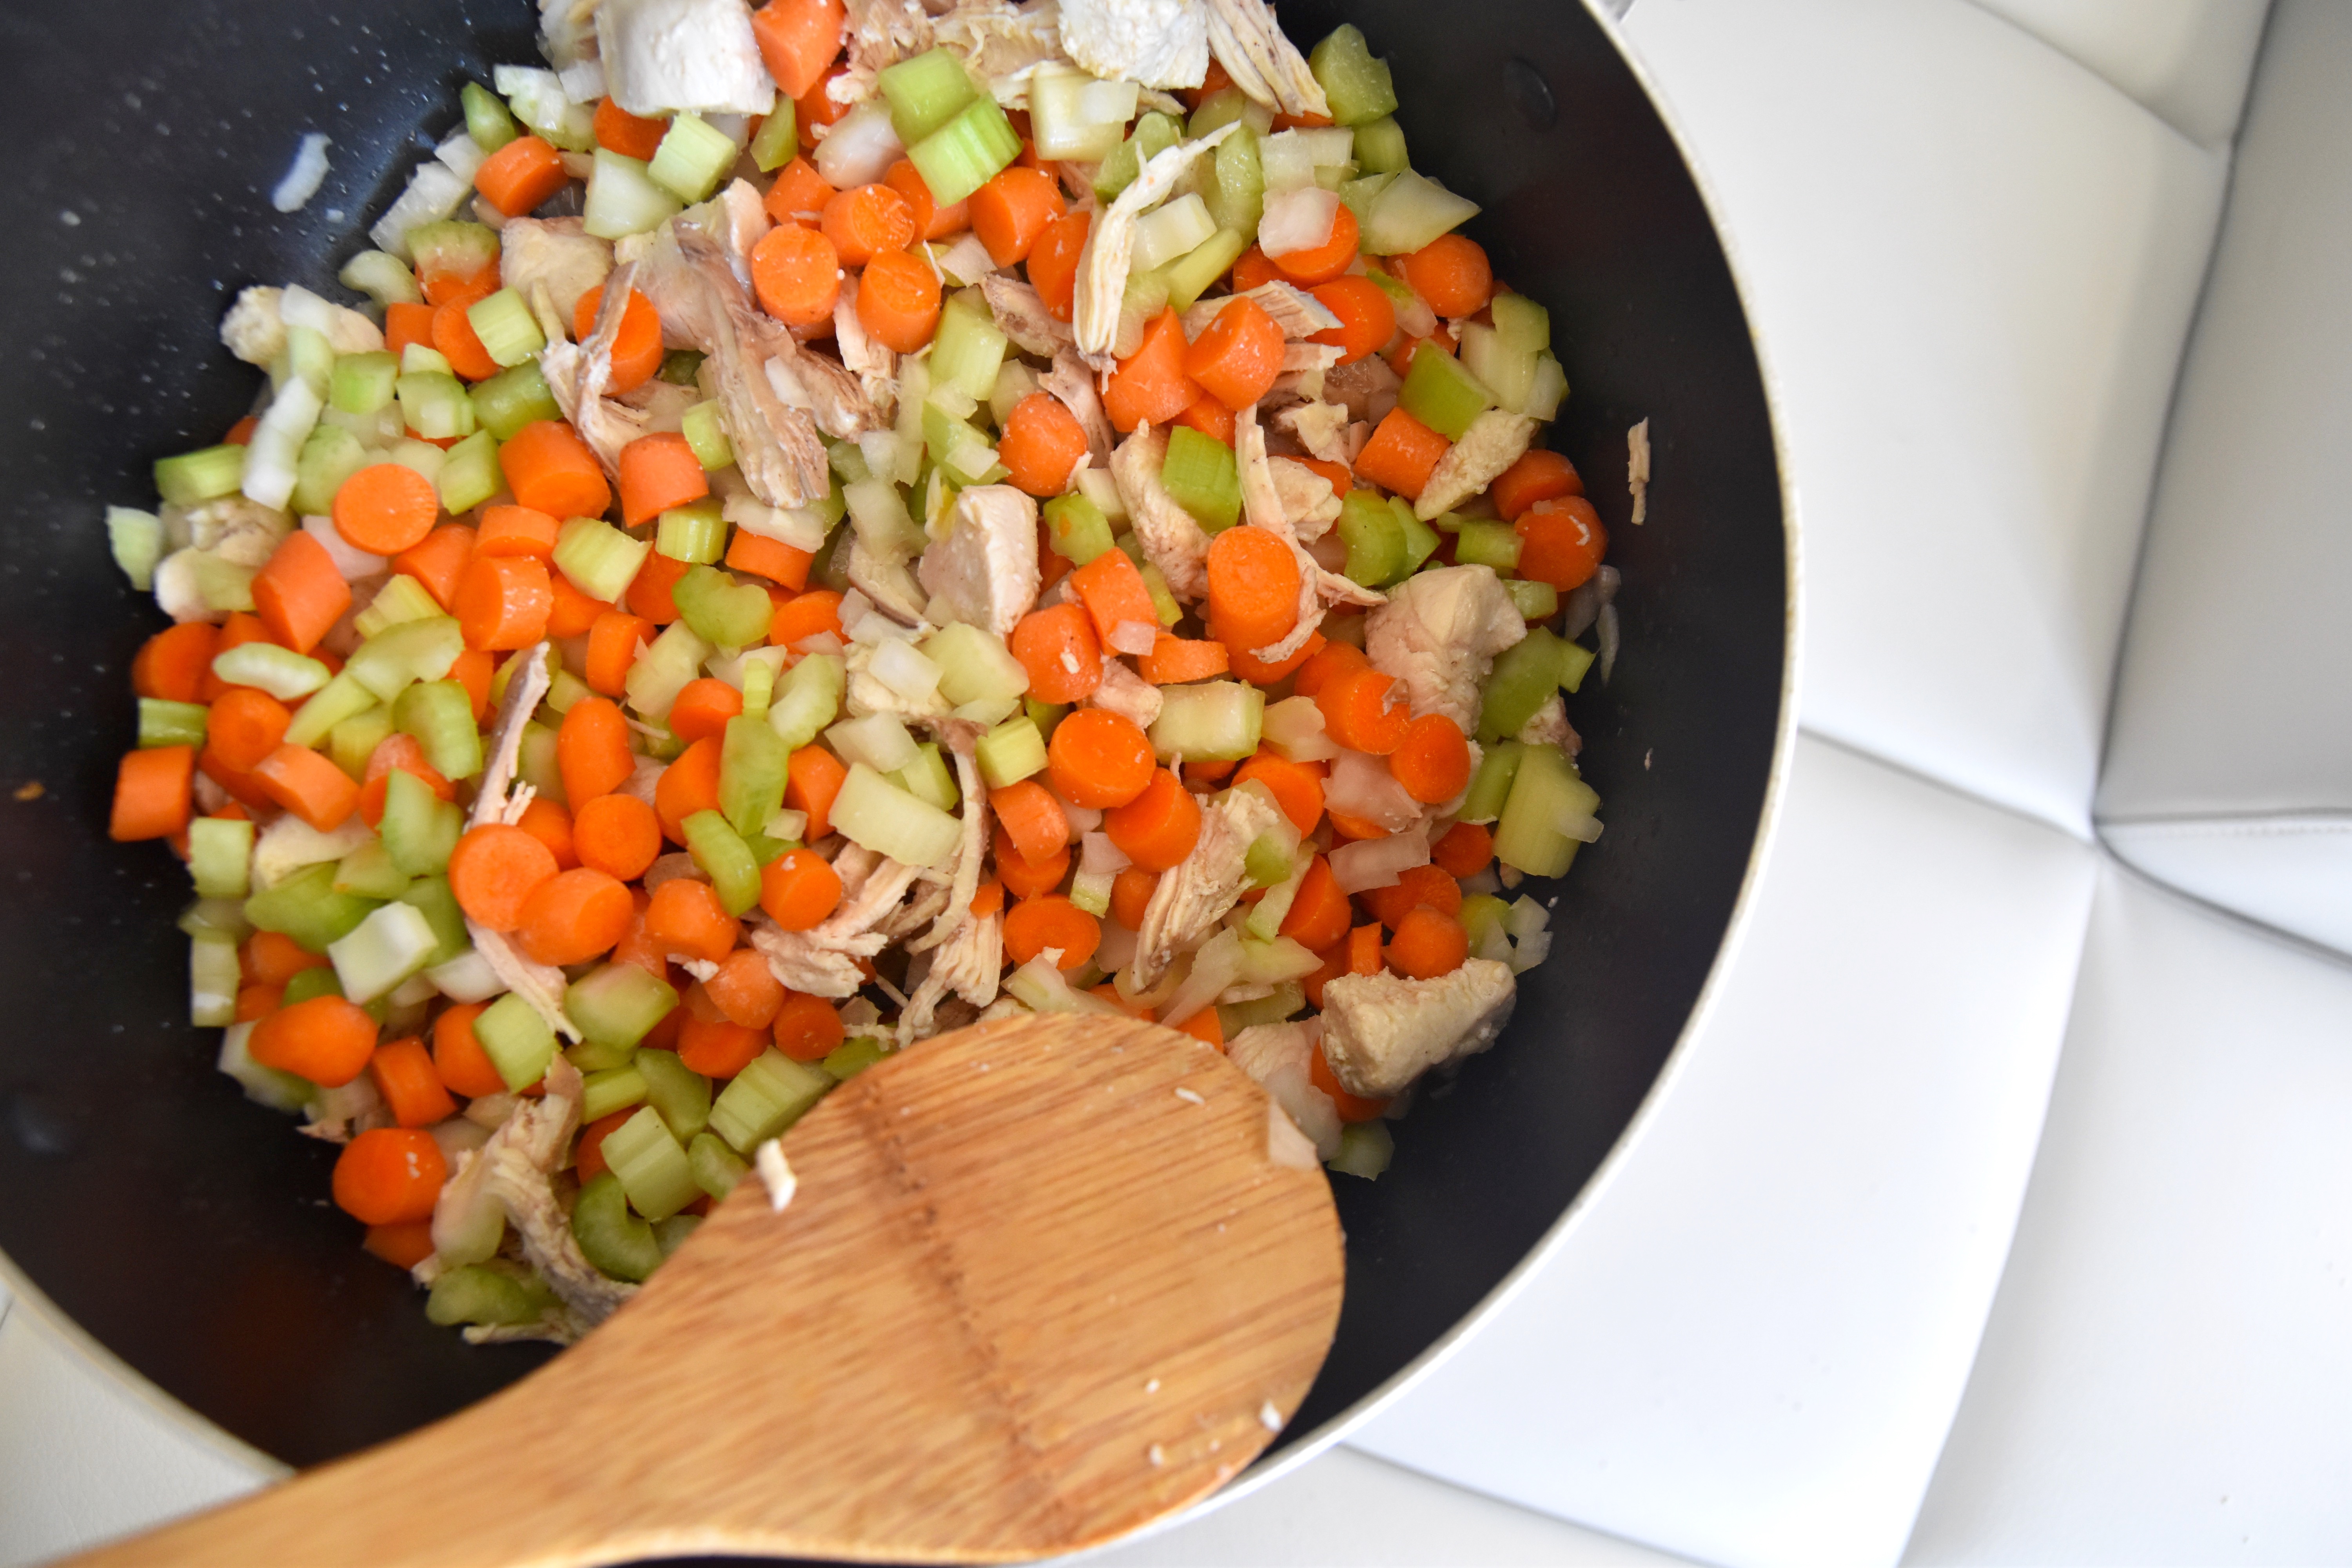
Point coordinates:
pixel 1439 634
pixel 1383 1031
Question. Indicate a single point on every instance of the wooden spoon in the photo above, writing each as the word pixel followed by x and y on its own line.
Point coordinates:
pixel 1042 1281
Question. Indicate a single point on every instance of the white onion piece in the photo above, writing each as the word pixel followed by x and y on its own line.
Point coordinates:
pixel 1415 316
pixel 352 562
pixel 1083 820
pixel 878 740
pixel 1293 728
pixel 818 642
pixel 1606 625
pixel 1529 952
pixel 277 442
pixel 907 672
pixel 1361 785
pixel 1216 966
pixel 860 148
pixel 1099 856
pixel 966 261
pixel 1328 145
pixel 308 172
pixel 1377 862
pixel 1579 825
pixel 463 154
pixel 1526 917
pixel 1482 880
pixel 1138 638
pixel 1297 220
pixel 798 527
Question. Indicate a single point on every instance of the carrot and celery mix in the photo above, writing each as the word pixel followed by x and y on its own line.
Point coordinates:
pixel 538 765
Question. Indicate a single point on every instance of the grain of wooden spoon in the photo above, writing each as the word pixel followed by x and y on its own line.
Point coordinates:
pixel 1042 1283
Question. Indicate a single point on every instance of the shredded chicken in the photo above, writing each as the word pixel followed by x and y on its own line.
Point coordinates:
pixel 1003 45
pixel 1321 427
pixel 1262 503
pixel 1190 900
pixel 557 254
pixel 1249 43
pixel 577 377
pixel 1070 381
pixel 1297 357
pixel 1381 1031
pixel 868 693
pixel 1021 315
pixel 823 961
pixel 255 328
pixel 1494 440
pixel 1299 314
pixel 1160 43
pixel 984 573
pixel 875 366
pixel 520 1163
pixel 736 220
pixel 1171 540
pixel 1110 241
pixel 971 964
pixel 1366 389
pixel 886 581
pixel 1126 693
pixel 971 847
pixel 1439 634
pixel 880 34
pixel 699 56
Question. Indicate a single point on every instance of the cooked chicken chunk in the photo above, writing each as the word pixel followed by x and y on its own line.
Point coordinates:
pixel 699 56
pixel 1366 389
pixel 1160 43
pixel 736 219
pixel 255 328
pixel 1171 540
pixel 556 252
pixel 1249 43
pixel 822 962
pixel 971 964
pixel 1494 440
pixel 875 366
pixel 1110 243
pixel 880 33
pixel 962 740
pixel 886 580
pixel 1439 634
pixel 1321 427
pixel 519 1160
pixel 240 531
pixel 1307 499
pixel 1190 900
pixel 984 573
pixel 1070 381
pixel 1021 316
pixel 1003 45
pixel 1261 501
pixel 1279 1056
pixel 1549 726
pixel 577 375
pixel 1381 1032
pixel 1126 693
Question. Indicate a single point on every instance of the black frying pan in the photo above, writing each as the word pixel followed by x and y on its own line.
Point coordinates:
pixel 189 1231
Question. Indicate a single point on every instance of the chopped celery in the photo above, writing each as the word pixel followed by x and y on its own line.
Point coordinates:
pixel 1358 196
pixel 974 664
pixel 339 699
pixel 434 405
pixel 777 142
pixel 401 598
pixel 881 741
pixel 965 153
pixel 480 1295
pixel 969 347
pixel 420 829
pixel 876 815
pixel 1442 393
pixel 224 915
pixel 722 611
pixel 679 1095
pixel 594 1056
pixel 1076 117
pixel 1494 545
pixel 368 872
pixel 212 979
pixel 1236 194
pixel 703 432
pixel 383 277
pixel 1365 1149
pixel 393 943
pixel 1410 211
pixel 1550 389
pixel 1192 274
pixel 854 1057
pixel 622 198
pixel 279 671
pixel 1145 296
pixel 417 357
pixel 454 248
pixel 509 332
pixel 223 585
pixel 488 121
pixel 716 1167
pixel 262 1086
pixel 751 764
pixel 194 477
pixel 1199 473
pixel 390 661
pixel 808 700
pixel 758 687
pixel 136 540
pixel 440 714
pixel 1090 891
pixel 600 560
pixel 1289 997
pixel 1212 720
pixel 614 1241
pixel 617 1004
pixel 1076 528
pixel 1172 229
pixel 1267 862
pixel 1534 601
pixel 1522 325
pixel 320 982
pixel 1511 375
pixel 1375 540
pixel 1163 600
pixel 1574 661
pixel 430 896
pixel 362 383
pixel 681 367
pixel 1044 715
pixel 1420 540
pixel 1525 674
pixel 1547 793
pixel 695 533
pixel 513 398
pixel 330 455
pixel 925 93
pixel 676 1231
pixel 1223 107
pixel 764 1099
pixel 1154 133
pixel 725 858
pixel 517 1040
pixel 1380 146
pixel 539 767
pixel 162 723
pixel 1358 86
pixel 693 157
pixel 1490 786
pixel 1263 923
pixel 927 778
pixel 565 691
pixel 1013 750
pixel 847 460
pixel 613 1088
pixel 220 857
pixel 305 907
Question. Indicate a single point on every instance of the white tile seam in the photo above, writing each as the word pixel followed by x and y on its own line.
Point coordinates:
pixel 2244 923
pixel 1936 780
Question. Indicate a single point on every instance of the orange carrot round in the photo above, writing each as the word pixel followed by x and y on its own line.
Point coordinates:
pixel 799 890
pixel 1149 385
pixel 246 726
pixel 1416 887
pixel 1365 711
pixel 300 594
pixel 808 615
pixel 1367 317
pixel 1051 920
pixel 549 469
pixel 1023 878
pixel 717 1047
pixel 153 793
pixel 798 40
pixel 898 300
pixel 503 602
pixel 1011 211
pixel 385 509
pixel 1537 476
pixel 458 1054
pixel 1352 1107
pixel 807 1029
pixel 514 531
pixel 1034 818
pixel 1238 355
pixel 272 958
pixel 1098 758
pixel 796 273
pixel 493 872
pixel 1560 542
pixel 1321 263
pixel 1464 849
pixel 520 176
pixel 325 1039
pixel 746 989
pixel 630 135
pixel 1210 418
pixel 812 777
pixel 388 1175
pixel 309 786
pixel 702 709
pixel 1296 786
pixel 439 562
pixel 1253 268
pixel 172 665
pixel 1319 912
pixel 636 349
pixel 550 824
pixel 404 1245
pixel 688 785
pixel 658 472
pixel 1433 761
pixel 613 639
pixel 1253 586
pixel 1331 661
pixel 1131 895
pixel 688 921
pixel 1058 647
pixel 454 339
pixel 1042 444
pixel 1401 455
pixel 867 220
pixel 406 323
pixel 798 195
pixel 1054 262
pixel 616 834
pixel 1159 827
pixel 572 916
pixel 1173 661
pixel 403 1073
pixel 1428 944
pixel 1452 273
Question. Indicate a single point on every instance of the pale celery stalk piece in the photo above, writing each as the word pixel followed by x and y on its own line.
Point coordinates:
pixel 213 979
pixel 279 671
pixel 616 1088
pixel 136 537
pixel 662 672
pixel 1013 750
pixel 383 277
pixel 388 662
pixel 764 1099
pixel 395 942
pixel 339 699
pixel 220 857
pixel 650 1164
pixel 1212 720
pixel 877 814
pixel 624 199
pixel 262 1086
pixel 879 741
pixel 974 664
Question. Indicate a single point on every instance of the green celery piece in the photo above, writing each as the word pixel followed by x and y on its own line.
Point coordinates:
pixel 305 907
pixel 417 357
pixel 1358 86
pixel 517 1040
pixel 600 560
pixel 362 383
pixel 509 332
pixel 388 663
pixel 1153 134
pixel 721 611
pixel 1163 600
pixel 751 762
pixel 1013 750
pixel 279 671
pixel 1289 997
pixel 716 1167
pixel 680 367
pixel 703 432
pixel 392 943
pixel 470 473
pixel 695 533
pixel 1267 862
pixel 513 398
pixel 311 984
pixel 925 93
pixel 1525 674
pixel 440 714
pixel 488 121
pixel 1044 715
pixel 1380 146
pixel 220 857
pixel 692 158
pixel 330 455
pixel 566 690
pixel 1536 602
pixel 430 896
pixel 1494 545
pixel 490 1297
pixel 614 1241
pixel 966 153
pixel 1482 914
pixel 928 779
pixel 541 767
pixel 1491 784
pixel 1223 107
pixel 847 463
pixel 434 405
pixel 162 723
pixel 592 1056
pixel 1076 528
pixel 1442 393
pixel 1196 271
pixel 369 871
pixel 613 1088
pixel 777 142
pixel 679 1095
pixel 1421 540
pixel 1574 661
pixel 1213 721
pixel 1236 193
pixel 975 665
pixel 758 688
pixel 213 978
pixel 136 541
pixel 808 700
pixel 420 830
pixel 383 278
pixel 969 347
pixel 1199 473
pixel 457 248
pixel 675 1232
pixel 854 1057
pixel 224 915
pixel 401 598
pixel 618 1003
pixel 1522 325
pixel 765 1098
pixel 194 477
pixel 725 860
pixel 1365 1149
pixel 1526 834
pixel 1358 196
pixel 1375 541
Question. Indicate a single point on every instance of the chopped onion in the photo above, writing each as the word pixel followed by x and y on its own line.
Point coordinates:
pixel 1377 862
pixel 355 564
pixel 799 527
pixel 1083 820
pixel 787 825
pixel 433 191
pixel 1482 880
pixel 902 667
pixel 1414 315
pixel 1297 220
pixel 818 642
pixel 1579 825
pixel 1272 963
pixel 1526 917
pixel 1361 785
pixel 1099 854
pixel 1607 626
pixel 1584 603
pixel 861 146
pixel 463 154
pixel 1530 951
pixel 1040 986
pixel 878 740
pixel 277 442
pixel 305 175
pixel 1138 638
pixel 966 261
pixel 1293 729
pixel 1216 966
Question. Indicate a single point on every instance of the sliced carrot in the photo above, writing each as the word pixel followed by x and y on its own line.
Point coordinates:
pixel 1464 849
pixel 1175 660
pixel 1321 263
pixel 1537 476
pixel 412 1090
pixel 898 300
pixel 1050 921
pixel 907 182
pixel 812 778
pixel 474 670
pixel 1298 787
pixel 809 614
pixel 397 753
pixel 817 108
pixel 1012 210
pixel 1433 761
pixel 1428 944
pixel 454 339
pixel 503 602
pixel 1211 419
pixel 591 751
pixel 746 989
pixel 458 1054
pixel 1099 759
pixel 702 707
pixel 550 469
pixel 866 221
pixel 443 286
pixel 613 644
pixel 439 562
pixel 1042 444
pixel 798 40
pixel 270 958
pixel 760 556
pixel 325 1039
pixel 246 726
pixel 1365 711
pixel 574 610
pixel 1023 878
pixel 1116 595
pixel 259 1002
pixel 658 472
pixel 309 786
pixel 1205 774
pixel 1452 273
pixel 807 1029
pixel 636 347
pixel 1253 268
pixel 550 824
pixel 153 795
pixel 717 1047
pixel 799 194
pixel 1416 887
pixel 1159 827
pixel 1130 896
pixel 1238 355
pixel 1150 386
pixel 630 135
pixel 300 594
pixel 1033 817
pixel 1367 317
pixel 172 665
pixel 1058 647
pixel 1560 542
pixel 649 593
pixel 388 1175
pixel 522 175
pixel 1319 912
pixel 796 274
pixel 513 531
pixel 799 890
pixel 616 834
pixel 1332 660
pixel 1254 587
pixel 1364 950
pixel 404 1245
pixel 588 1161
pixel 1336 475
pixel 407 324
pixel 1259 672
pixel 688 785
pixel 1054 262
pixel 494 870
pixel 988 898
pixel 574 916
pixel 1402 454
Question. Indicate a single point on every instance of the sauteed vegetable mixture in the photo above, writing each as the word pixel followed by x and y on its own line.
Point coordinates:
pixel 835 521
